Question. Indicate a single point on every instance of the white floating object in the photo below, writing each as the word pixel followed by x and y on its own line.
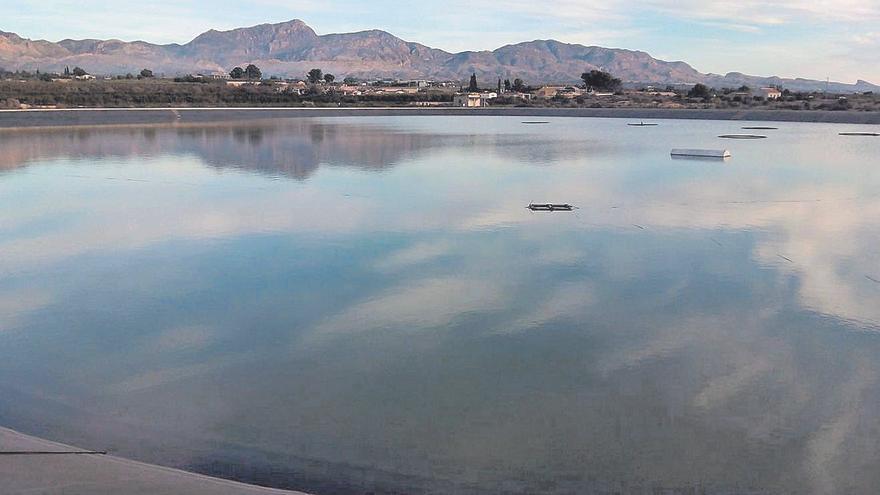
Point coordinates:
pixel 702 153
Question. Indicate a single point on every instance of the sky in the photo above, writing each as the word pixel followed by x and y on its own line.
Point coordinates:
pixel 816 39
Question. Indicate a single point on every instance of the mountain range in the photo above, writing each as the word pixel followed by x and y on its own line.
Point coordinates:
pixel 290 49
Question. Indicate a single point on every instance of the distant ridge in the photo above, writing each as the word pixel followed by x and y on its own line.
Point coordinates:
pixel 291 48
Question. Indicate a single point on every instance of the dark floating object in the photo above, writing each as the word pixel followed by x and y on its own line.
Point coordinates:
pixel 550 207
pixel 760 128
pixel 742 136
pixel 536 122
pixel 860 133
pixel 642 124
pixel 52 452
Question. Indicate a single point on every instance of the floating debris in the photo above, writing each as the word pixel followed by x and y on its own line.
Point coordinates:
pixel 550 207
pixel 701 153
pixel 536 122
pixel 760 128
pixel 742 136
pixel 860 133
pixel 785 258
pixel 642 124
pixel 872 279
pixel 53 452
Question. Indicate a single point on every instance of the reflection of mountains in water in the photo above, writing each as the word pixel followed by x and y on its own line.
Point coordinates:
pixel 293 148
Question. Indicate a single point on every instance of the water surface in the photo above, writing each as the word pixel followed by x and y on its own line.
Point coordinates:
pixel 353 305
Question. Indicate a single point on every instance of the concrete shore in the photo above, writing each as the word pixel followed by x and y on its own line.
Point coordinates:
pixel 27 467
pixel 147 116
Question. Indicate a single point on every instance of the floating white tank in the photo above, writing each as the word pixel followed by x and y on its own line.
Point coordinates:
pixel 704 153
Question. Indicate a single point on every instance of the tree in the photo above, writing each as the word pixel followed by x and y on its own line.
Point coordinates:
pixel 67 71
pixel 351 80
pixel 237 73
pixel 597 79
pixel 699 91
pixel 499 85
pixel 518 85
pixel 507 85
pixel 146 73
pixel 329 78
pixel 315 75
pixel 79 72
pixel 472 85
pixel 253 72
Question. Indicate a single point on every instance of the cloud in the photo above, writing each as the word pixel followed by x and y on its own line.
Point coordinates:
pixel 191 337
pixel 772 13
pixel 421 252
pixel 16 304
pixel 418 305
pixel 568 300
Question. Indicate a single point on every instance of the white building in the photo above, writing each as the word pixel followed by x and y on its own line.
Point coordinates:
pixel 472 99
pixel 769 93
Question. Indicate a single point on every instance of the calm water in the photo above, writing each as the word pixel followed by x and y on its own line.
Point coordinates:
pixel 355 305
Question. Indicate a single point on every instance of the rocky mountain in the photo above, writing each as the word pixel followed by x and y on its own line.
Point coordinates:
pixel 292 48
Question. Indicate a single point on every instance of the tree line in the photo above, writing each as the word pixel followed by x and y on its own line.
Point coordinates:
pixel 594 80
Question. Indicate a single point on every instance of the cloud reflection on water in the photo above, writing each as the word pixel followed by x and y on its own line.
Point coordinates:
pixel 395 307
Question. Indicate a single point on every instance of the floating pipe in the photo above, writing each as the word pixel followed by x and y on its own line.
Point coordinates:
pixel 702 153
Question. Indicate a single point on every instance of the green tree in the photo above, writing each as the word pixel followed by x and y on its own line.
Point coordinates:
pixel 146 73
pixel 67 71
pixel 315 75
pixel 518 85
pixel 253 72
pixel 79 72
pixel 597 79
pixel 472 85
pixel 237 73
pixel 699 91
pixel 507 85
pixel 351 80
pixel 329 78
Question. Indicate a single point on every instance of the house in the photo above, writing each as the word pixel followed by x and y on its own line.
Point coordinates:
pixel 769 93
pixel 242 82
pixel 350 90
pixel 471 99
pixel 85 77
pixel 569 92
pixel 516 95
pixel 548 91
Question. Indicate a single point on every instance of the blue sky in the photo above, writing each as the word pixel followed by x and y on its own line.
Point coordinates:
pixel 839 39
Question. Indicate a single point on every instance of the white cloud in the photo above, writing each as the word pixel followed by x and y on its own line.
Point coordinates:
pixel 419 305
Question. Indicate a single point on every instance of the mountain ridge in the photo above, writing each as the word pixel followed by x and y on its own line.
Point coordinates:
pixel 291 48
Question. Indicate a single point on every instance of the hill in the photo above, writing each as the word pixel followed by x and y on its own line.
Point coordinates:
pixel 290 49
